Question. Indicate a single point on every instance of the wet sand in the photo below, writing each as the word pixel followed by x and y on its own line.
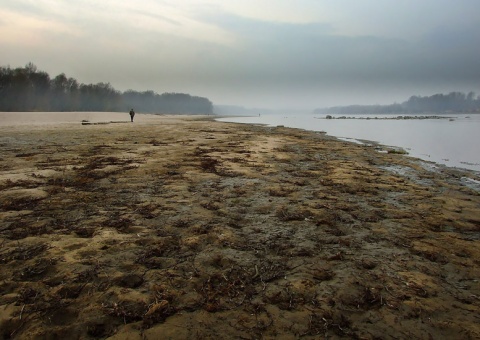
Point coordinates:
pixel 181 227
pixel 61 118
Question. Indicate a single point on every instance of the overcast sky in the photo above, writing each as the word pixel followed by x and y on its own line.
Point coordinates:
pixel 254 53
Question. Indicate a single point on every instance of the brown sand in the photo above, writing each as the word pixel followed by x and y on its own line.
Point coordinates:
pixel 175 227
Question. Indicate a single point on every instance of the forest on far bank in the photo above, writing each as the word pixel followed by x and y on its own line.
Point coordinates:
pixel 28 89
pixel 437 103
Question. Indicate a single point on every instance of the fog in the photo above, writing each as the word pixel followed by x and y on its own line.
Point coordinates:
pixel 274 54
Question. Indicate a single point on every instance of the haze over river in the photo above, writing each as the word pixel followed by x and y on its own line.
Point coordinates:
pixel 454 141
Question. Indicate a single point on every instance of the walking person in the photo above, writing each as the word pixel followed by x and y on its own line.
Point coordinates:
pixel 132 114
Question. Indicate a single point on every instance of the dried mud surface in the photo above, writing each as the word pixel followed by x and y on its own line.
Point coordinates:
pixel 186 228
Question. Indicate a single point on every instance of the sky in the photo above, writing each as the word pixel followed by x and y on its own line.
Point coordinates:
pixel 281 54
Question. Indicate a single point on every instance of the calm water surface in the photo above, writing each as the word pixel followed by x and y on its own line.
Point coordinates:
pixel 453 143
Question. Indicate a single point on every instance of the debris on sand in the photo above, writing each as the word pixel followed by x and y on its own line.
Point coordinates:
pixel 190 228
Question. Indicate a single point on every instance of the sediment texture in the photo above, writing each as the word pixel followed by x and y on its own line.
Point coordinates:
pixel 188 228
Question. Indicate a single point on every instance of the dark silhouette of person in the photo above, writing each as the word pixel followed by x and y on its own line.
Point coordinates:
pixel 132 114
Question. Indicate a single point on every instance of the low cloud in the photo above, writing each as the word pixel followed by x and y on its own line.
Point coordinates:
pixel 230 58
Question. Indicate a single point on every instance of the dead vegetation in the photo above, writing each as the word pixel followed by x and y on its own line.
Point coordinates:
pixel 244 231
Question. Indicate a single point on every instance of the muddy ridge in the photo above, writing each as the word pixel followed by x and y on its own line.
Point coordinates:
pixel 185 228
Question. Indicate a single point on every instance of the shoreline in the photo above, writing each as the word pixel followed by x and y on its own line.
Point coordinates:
pixel 369 143
pixel 189 227
pixel 461 158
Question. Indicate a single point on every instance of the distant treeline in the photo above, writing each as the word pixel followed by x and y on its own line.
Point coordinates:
pixel 452 102
pixel 28 89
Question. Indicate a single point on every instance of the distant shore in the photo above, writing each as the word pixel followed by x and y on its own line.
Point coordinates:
pixel 184 227
pixel 393 116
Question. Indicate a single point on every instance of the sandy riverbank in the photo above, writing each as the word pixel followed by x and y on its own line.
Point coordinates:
pixel 57 119
pixel 175 227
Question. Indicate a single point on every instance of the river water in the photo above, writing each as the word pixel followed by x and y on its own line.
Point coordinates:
pixel 453 142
